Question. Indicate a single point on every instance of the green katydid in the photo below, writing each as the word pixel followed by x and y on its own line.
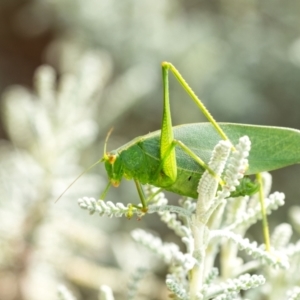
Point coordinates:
pixel 174 158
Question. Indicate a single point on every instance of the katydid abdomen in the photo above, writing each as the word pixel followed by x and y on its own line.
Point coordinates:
pixel 140 158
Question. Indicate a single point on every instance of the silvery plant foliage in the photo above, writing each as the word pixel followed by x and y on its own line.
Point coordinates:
pixel 103 59
pixel 48 127
pixel 51 130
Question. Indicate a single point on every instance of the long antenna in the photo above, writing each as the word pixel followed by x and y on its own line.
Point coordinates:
pixel 89 168
pixel 106 140
pixel 92 166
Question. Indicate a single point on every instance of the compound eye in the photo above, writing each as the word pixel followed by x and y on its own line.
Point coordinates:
pixel 111 158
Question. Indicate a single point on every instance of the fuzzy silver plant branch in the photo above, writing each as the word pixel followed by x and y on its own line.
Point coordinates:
pixel 234 208
pixel 171 219
pixel 166 215
pixel 176 288
pixel 188 204
pixel 234 173
pixel 211 276
pixel 181 230
pixel 252 215
pixel 208 183
pixel 171 208
pixel 49 126
pixel 231 287
pixel 235 170
pixel 237 164
pixel 236 167
pixel 207 189
pixel 209 199
pixel 168 252
pixel 215 222
pixel 251 248
pixel 107 208
pixel 134 282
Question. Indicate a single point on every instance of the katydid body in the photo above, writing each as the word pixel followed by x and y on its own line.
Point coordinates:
pixel 140 159
pixel 174 158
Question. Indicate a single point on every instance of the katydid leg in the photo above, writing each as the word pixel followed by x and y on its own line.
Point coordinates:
pixel 167 151
pixel 169 161
pixel 168 66
pixel 198 160
pixel 263 212
pixel 141 194
pixel 103 195
pixel 193 155
pixel 143 199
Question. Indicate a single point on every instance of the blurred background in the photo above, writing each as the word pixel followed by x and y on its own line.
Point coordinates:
pixel 72 69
